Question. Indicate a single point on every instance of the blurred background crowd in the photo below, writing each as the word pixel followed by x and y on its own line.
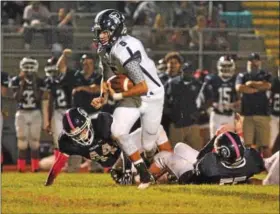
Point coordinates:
pixel 183 37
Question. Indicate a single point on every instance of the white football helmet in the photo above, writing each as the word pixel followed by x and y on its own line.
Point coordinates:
pixel 226 67
pixel 29 65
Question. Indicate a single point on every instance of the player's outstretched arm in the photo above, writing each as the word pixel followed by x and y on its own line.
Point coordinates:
pixel 62 61
pixel 56 168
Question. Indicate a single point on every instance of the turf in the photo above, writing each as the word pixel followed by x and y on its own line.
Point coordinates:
pixel 96 193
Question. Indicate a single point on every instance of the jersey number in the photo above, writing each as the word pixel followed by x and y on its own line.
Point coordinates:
pixel 106 149
pixel 60 98
pixel 224 96
pixel 276 105
pixel 28 99
pixel 235 180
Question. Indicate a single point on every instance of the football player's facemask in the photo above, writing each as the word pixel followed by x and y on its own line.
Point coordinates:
pixel 29 66
pixel 230 148
pixel 77 125
pixel 226 67
pixel 51 68
pixel 108 22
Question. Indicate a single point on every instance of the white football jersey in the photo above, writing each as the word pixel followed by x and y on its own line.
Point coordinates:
pixel 121 53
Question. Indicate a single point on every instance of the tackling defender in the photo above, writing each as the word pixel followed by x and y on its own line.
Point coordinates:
pixel 224 160
pixel 91 138
pixel 124 54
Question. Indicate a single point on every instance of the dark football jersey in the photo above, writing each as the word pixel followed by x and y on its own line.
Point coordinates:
pixel 103 150
pixel 223 92
pixel 82 98
pixel 28 101
pixel 275 97
pixel 210 169
pixel 61 89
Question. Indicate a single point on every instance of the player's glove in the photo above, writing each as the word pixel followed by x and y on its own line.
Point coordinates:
pixel 116 175
pixel 126 178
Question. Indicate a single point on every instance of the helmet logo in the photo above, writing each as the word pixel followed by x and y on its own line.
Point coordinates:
pixel 225 152
pixel 115 16
pixel 82 112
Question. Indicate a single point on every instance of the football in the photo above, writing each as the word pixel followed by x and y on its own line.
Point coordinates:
pixel 120 83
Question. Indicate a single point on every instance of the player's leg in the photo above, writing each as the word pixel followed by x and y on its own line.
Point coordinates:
pixel 162 142
pixel 274 127
pixel 263 133
pixel 213 123
pixel 22 135
pixel 248 130
pixel 186 152
pixel 34 138
pixel 170 161
pixel 273 170
pixel 124 118
pixel 151 114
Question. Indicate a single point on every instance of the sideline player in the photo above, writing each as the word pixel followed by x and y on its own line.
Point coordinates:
pixel 28 91
pixel 123 54
pixel 224 94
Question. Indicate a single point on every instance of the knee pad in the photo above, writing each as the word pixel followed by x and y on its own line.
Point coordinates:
pixel 161 159
pixel 34 144
pixel 22 143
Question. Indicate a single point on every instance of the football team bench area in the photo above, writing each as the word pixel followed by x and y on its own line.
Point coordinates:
pixel 97 193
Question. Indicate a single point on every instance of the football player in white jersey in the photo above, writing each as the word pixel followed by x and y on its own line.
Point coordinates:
pixel 28 91
pixel 124 54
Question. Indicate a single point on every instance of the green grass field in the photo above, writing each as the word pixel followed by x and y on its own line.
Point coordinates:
pixel 96 193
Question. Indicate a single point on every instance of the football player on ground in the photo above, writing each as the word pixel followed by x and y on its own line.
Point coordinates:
pixel 59 86
pixel 124 54
pixel 28 92
pixel 90 137
pixel 224 160
pixel 225 99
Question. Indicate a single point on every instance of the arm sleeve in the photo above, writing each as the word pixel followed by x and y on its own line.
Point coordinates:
pixel 134 71
pixel 206 149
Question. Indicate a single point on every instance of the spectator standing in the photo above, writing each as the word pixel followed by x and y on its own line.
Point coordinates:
pixel 184 14
pixel 64 30
pixel 207 37
pixel 253 86
pixel 183 95
pixel 36 19
pixel 221 37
